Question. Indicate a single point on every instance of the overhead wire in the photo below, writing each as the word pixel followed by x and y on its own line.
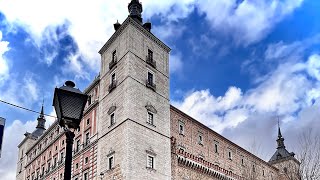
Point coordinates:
pixel 17 106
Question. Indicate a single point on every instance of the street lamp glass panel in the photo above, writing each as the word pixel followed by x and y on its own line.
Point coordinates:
pixel 69 104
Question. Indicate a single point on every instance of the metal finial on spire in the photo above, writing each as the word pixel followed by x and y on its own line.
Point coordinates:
pixel 279 131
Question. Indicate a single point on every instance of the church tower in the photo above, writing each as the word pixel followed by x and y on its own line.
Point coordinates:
pixel 27 143
pixel 134 127
pixel 287 164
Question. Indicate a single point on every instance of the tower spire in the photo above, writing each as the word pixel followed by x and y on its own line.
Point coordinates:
pixel 41 119
pixel 280 140
pixel 279 131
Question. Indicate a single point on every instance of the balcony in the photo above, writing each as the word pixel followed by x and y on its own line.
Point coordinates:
pixel 151 85
pixel 151 62
pixel 112 85
pixel 113 62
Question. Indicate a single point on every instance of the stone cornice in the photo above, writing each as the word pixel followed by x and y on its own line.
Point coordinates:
pixel 205 167
pixel 92 85
pixel 128 21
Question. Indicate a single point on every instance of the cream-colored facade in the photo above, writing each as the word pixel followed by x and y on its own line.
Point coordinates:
pixel 130 131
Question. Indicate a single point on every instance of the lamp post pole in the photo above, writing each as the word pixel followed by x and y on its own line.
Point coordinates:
pixel 69 142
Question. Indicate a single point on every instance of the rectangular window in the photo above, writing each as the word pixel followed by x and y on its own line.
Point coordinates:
pixel 89 100
pixel 113 78
pixel 150 162
pixel 112 119
pixel 150 118
pixel 150 78
pixel 86 160
pixel 253 168
pixel 150 55
pixel 78 145
pixel 181 127
pixel 77 165
pixel 61 156
pixel 229 154
pixel 85 176
pixel 200 139
pixel 215 147
pixel 87 138
pixel 111 162
pixel 114 55
pixel 242 162
pixel 88 121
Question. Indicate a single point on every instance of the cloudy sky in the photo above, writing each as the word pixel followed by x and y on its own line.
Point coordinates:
pixel 235 65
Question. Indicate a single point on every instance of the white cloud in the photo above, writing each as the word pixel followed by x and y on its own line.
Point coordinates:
pixel 176 63
pixel 23 93
pixel 4 67
pixel 287 92
pixel 246 21
pixel 73 64
pixel 313 66
pixel 11 140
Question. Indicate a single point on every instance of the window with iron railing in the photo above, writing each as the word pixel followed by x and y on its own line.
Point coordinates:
pixel 113 60
pixel 150 60
pixel 150 82
pixel 113 82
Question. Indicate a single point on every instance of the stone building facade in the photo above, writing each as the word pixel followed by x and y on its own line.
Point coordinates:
pixel 130 130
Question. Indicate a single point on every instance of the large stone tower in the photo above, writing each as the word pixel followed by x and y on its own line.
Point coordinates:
pixel 134 127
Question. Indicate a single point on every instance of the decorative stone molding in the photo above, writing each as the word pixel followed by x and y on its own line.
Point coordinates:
pixel 150 108
pixel 112 109
pixel 191 161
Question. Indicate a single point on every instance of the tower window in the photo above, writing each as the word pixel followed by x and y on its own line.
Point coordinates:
pixel 150 162
pixel 113 82
pixel 111 162
pixel 150 78
pixel 150 81
pixel 88 121
pixel 150 60
pixel 114 56
pixel 216 147
pixel 150 118
pixel 200 139
pixel 112 119
pixel 230 154
pixel 150 55
pixel 181 128
pixel 85 176
pixel 242 162
pixel 86 160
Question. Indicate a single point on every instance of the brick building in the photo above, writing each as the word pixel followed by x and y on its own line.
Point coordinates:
pixel 130 130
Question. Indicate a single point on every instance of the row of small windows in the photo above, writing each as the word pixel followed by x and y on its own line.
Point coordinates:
pixel 150 115
pixel 200 142
pixel 56 133
pixel 149 59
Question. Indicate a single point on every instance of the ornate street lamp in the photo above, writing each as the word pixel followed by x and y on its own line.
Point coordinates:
pixel 69 104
